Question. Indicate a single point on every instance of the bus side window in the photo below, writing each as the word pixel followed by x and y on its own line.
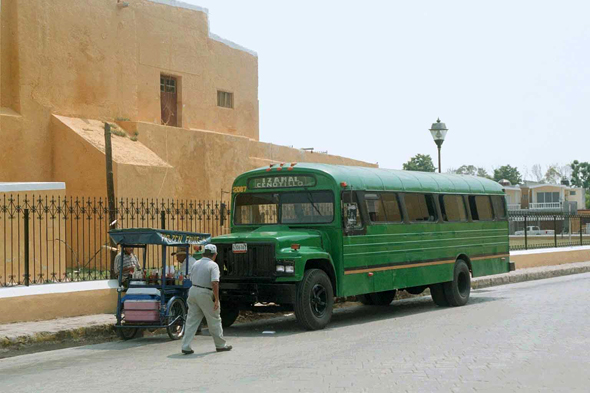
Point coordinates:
pixel 420 207
pixel 375 209
pixel 391 205
pixel 499 209
pixel 481 208
pixel 453 208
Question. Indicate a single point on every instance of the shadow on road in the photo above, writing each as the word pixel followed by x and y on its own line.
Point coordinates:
pixel 343 317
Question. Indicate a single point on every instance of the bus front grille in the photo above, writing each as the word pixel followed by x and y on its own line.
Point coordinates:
pixel 258 261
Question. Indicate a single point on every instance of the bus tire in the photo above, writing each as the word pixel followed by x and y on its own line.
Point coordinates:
pixel 416 290
pixel 457 291
pixel 365 300
pixel 438 295
pixel 315 300
pixel 383 298
pixel 229 313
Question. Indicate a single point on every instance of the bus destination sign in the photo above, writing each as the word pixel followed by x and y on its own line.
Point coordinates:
pixel 281 182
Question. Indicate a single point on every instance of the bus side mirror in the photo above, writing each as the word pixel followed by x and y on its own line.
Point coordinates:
pixel 351 211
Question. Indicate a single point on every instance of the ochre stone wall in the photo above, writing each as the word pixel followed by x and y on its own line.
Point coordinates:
pixel 93 60
pixel 57 305
pixel 67 66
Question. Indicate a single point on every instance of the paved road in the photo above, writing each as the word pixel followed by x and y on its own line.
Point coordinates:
pixel 532 336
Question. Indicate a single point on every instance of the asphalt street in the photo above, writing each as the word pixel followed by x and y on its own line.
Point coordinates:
pixel 531 337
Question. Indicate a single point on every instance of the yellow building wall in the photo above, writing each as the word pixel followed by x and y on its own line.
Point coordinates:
pixel 57 305
pixel 94 60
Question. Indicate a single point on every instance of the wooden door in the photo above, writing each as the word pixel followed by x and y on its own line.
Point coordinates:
pixel 168 100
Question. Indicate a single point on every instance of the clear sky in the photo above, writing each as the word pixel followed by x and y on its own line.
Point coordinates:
pixel 511 79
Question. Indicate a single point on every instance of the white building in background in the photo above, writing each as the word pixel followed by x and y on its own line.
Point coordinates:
pixel 544 198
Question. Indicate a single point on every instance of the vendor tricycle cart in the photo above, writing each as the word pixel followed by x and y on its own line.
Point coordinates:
pixel 154 298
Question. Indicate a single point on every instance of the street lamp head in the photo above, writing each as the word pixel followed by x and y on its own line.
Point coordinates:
pixel 439 132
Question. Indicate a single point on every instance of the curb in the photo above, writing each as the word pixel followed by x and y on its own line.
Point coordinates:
pixel 81 336
pixel 13 346
pixel 503 279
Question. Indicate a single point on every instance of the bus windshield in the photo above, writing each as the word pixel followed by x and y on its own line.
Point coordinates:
pixel 308 207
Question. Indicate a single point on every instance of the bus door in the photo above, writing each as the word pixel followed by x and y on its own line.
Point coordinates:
pixel 355 262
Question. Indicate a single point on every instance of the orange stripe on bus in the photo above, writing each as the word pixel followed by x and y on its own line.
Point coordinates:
pixel 379 269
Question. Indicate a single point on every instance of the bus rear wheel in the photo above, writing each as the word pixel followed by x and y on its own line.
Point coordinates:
pixel 438 295
pixel 457 291
pixel 315 300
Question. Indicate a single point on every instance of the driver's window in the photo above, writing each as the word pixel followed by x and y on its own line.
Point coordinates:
pixel 346 201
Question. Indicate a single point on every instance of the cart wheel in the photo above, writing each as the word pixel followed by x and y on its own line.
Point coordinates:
pixel 177 308
pixel 127 333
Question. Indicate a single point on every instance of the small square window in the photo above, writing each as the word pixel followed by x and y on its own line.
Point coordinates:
pixel 225 99
pixel 168 84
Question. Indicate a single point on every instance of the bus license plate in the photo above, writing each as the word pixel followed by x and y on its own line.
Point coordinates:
pixel 239 248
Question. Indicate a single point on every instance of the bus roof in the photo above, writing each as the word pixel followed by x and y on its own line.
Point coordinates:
pixel 377 179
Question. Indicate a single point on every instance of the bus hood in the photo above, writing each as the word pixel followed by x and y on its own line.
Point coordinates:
pixel 281 235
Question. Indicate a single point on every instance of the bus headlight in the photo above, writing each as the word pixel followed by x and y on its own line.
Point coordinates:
pixel 285 267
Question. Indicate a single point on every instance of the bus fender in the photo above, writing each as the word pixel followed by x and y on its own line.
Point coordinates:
pixel 467 261
pixel 322 261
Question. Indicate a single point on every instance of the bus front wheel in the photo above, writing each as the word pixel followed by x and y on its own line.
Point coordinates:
pixel 457 291
pixel 315 300
pixel 229 313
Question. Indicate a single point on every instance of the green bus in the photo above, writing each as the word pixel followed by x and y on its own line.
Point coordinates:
pixel 303 234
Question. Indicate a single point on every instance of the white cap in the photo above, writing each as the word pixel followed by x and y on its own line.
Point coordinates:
pixel 211 248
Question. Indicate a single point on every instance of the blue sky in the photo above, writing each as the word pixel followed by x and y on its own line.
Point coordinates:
pixel 367 79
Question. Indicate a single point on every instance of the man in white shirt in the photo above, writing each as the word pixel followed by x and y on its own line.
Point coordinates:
pixel 130 262
pixel 203 301
pixel 181 258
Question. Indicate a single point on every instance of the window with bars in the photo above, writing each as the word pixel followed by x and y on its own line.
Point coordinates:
pixel 225 99
pixel 167 84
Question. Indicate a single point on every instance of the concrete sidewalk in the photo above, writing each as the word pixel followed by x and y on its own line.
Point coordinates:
pixel 20 338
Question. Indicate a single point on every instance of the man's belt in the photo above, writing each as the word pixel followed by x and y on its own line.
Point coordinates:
pixel 198 286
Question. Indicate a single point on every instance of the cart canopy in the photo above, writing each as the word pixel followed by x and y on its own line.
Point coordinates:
pixel 136 236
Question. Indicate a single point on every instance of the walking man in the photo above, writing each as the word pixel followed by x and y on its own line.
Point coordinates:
pixel 203 301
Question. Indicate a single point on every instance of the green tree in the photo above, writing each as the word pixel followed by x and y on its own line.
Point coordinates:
pixel 420 162
pixel 509 173
pixel 580 174
pixel 553 175
pixel 581 177
pixel 483 173
pixel 471 170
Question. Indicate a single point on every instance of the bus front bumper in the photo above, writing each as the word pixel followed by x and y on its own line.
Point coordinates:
pixel 256 292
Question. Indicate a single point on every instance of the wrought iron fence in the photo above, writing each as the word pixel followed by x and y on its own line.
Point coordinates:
pixel 531 231
pixel 54 239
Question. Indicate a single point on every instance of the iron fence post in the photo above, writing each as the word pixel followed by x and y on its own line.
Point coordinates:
pixel 525 234
pixel 555 230
pixel 581 236
pixel 26 218
pixel 163 219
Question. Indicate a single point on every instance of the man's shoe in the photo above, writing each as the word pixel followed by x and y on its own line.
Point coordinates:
pixel 188 352
pixel 224 349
